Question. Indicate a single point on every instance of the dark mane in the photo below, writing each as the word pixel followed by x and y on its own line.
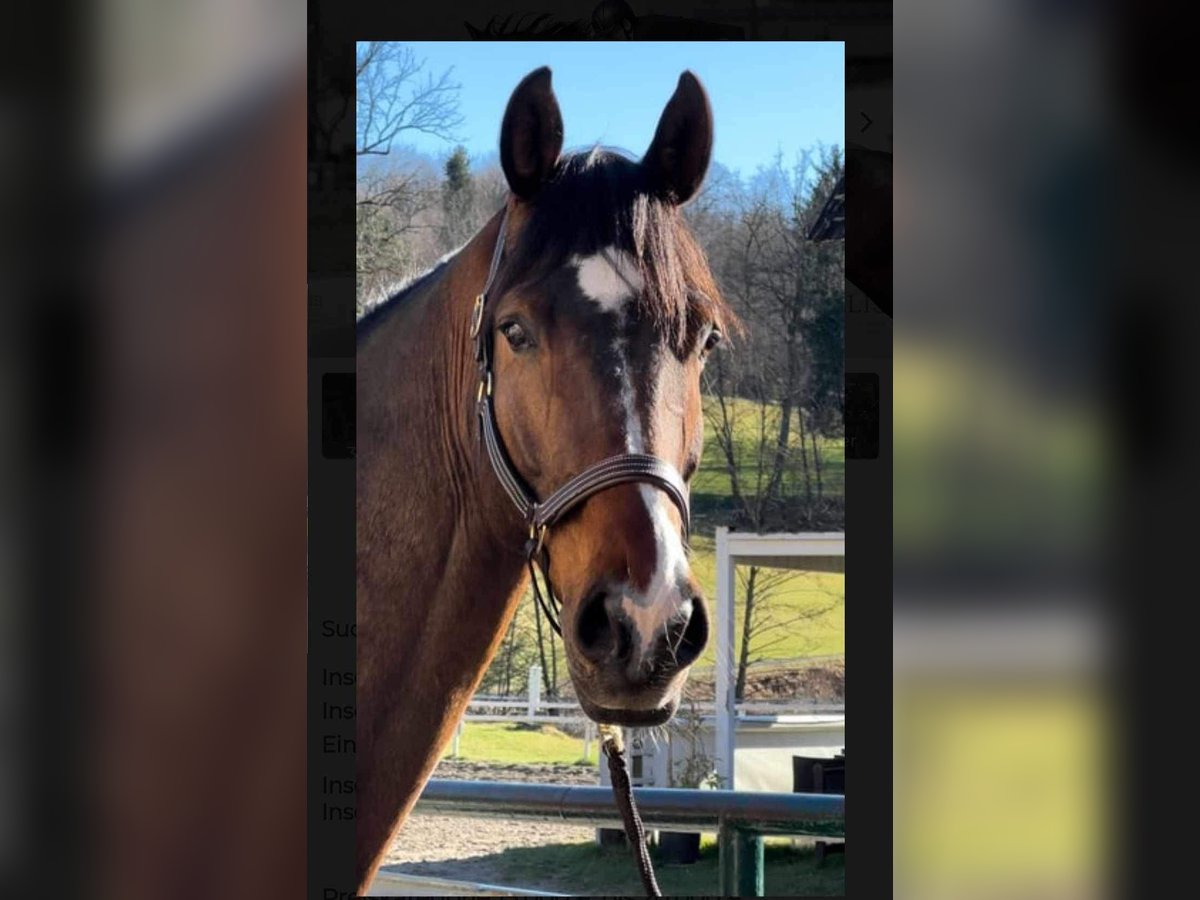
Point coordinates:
pixel 377 313
pixel 599 199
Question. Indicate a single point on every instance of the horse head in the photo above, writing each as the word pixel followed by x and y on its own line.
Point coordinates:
pixel 601 318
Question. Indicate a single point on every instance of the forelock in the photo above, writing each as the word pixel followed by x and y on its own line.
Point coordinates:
pixel 597 201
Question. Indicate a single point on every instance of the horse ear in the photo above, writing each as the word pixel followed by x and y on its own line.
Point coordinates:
pixel 679 154
pixel 531 135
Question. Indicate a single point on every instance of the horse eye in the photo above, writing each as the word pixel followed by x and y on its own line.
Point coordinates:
pixel 515 335
pixel 714 338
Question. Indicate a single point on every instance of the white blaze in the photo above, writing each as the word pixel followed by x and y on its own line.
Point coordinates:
pixel 610 279
pixel 661 601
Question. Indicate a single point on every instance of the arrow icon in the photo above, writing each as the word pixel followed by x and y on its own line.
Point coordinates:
pixel 869 120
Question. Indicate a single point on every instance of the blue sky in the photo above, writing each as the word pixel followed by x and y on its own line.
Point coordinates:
pixel 765 95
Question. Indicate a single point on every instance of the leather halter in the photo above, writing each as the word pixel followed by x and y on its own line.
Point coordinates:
pixel 623 468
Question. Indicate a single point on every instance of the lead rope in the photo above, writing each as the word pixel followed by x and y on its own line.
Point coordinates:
pixel 540 557
pixel 635 832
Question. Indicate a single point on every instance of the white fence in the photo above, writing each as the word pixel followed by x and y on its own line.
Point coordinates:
pixel 815 552
pixel 533 710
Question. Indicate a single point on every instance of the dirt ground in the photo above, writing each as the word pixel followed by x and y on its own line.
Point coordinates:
pixel 824 683
pixel 458 847
pixel 451 846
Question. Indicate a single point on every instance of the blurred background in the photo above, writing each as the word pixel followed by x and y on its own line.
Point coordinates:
pixel 152 564
pixel 1008 526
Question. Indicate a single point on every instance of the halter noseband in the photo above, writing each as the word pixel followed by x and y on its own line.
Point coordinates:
pixel 623 468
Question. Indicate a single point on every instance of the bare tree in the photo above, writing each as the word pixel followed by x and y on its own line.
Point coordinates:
pixel 769 403
pixel 514 656
pixel 396 224
pixel 394 95
pixel 766 625
pixel 787 289
pixel 391 97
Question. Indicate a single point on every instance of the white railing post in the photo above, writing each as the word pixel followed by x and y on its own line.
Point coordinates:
pixel 726 714
pixel 535 692
pixel 457 734
pixel 587 739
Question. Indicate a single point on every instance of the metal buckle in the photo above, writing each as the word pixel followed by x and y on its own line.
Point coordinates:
pixel 485 386
pixel 477 316
pixel 538 534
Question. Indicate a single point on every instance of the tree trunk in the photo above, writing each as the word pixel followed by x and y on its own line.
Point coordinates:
pixel 725 435
pixel 816 453
pixel 804 463
pixel 739 689
pixel 552 691
pixel 537 618
pixel 775 483
pixel 509 652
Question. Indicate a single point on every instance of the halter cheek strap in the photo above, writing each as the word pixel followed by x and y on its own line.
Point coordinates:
pixel 624 468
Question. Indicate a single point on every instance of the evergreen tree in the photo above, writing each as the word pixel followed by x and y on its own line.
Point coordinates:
pixel 458 200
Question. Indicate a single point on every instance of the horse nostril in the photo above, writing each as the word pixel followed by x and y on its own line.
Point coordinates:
pixel 602 629
pixel 693 637
pixel 593 628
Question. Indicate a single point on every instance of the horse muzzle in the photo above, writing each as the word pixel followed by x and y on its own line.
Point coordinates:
pixel 630 657
pixel 630 718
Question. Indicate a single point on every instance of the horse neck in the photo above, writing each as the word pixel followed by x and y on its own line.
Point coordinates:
pixel 439 563
pixel 417 391
pixel 423 478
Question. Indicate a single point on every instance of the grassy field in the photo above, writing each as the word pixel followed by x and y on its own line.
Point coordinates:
pixel 503 742
pixel 589 869
pixel 797 593
pixel 711 485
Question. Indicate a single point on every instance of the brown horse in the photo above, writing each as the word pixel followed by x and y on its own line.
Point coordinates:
pixel 601 315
